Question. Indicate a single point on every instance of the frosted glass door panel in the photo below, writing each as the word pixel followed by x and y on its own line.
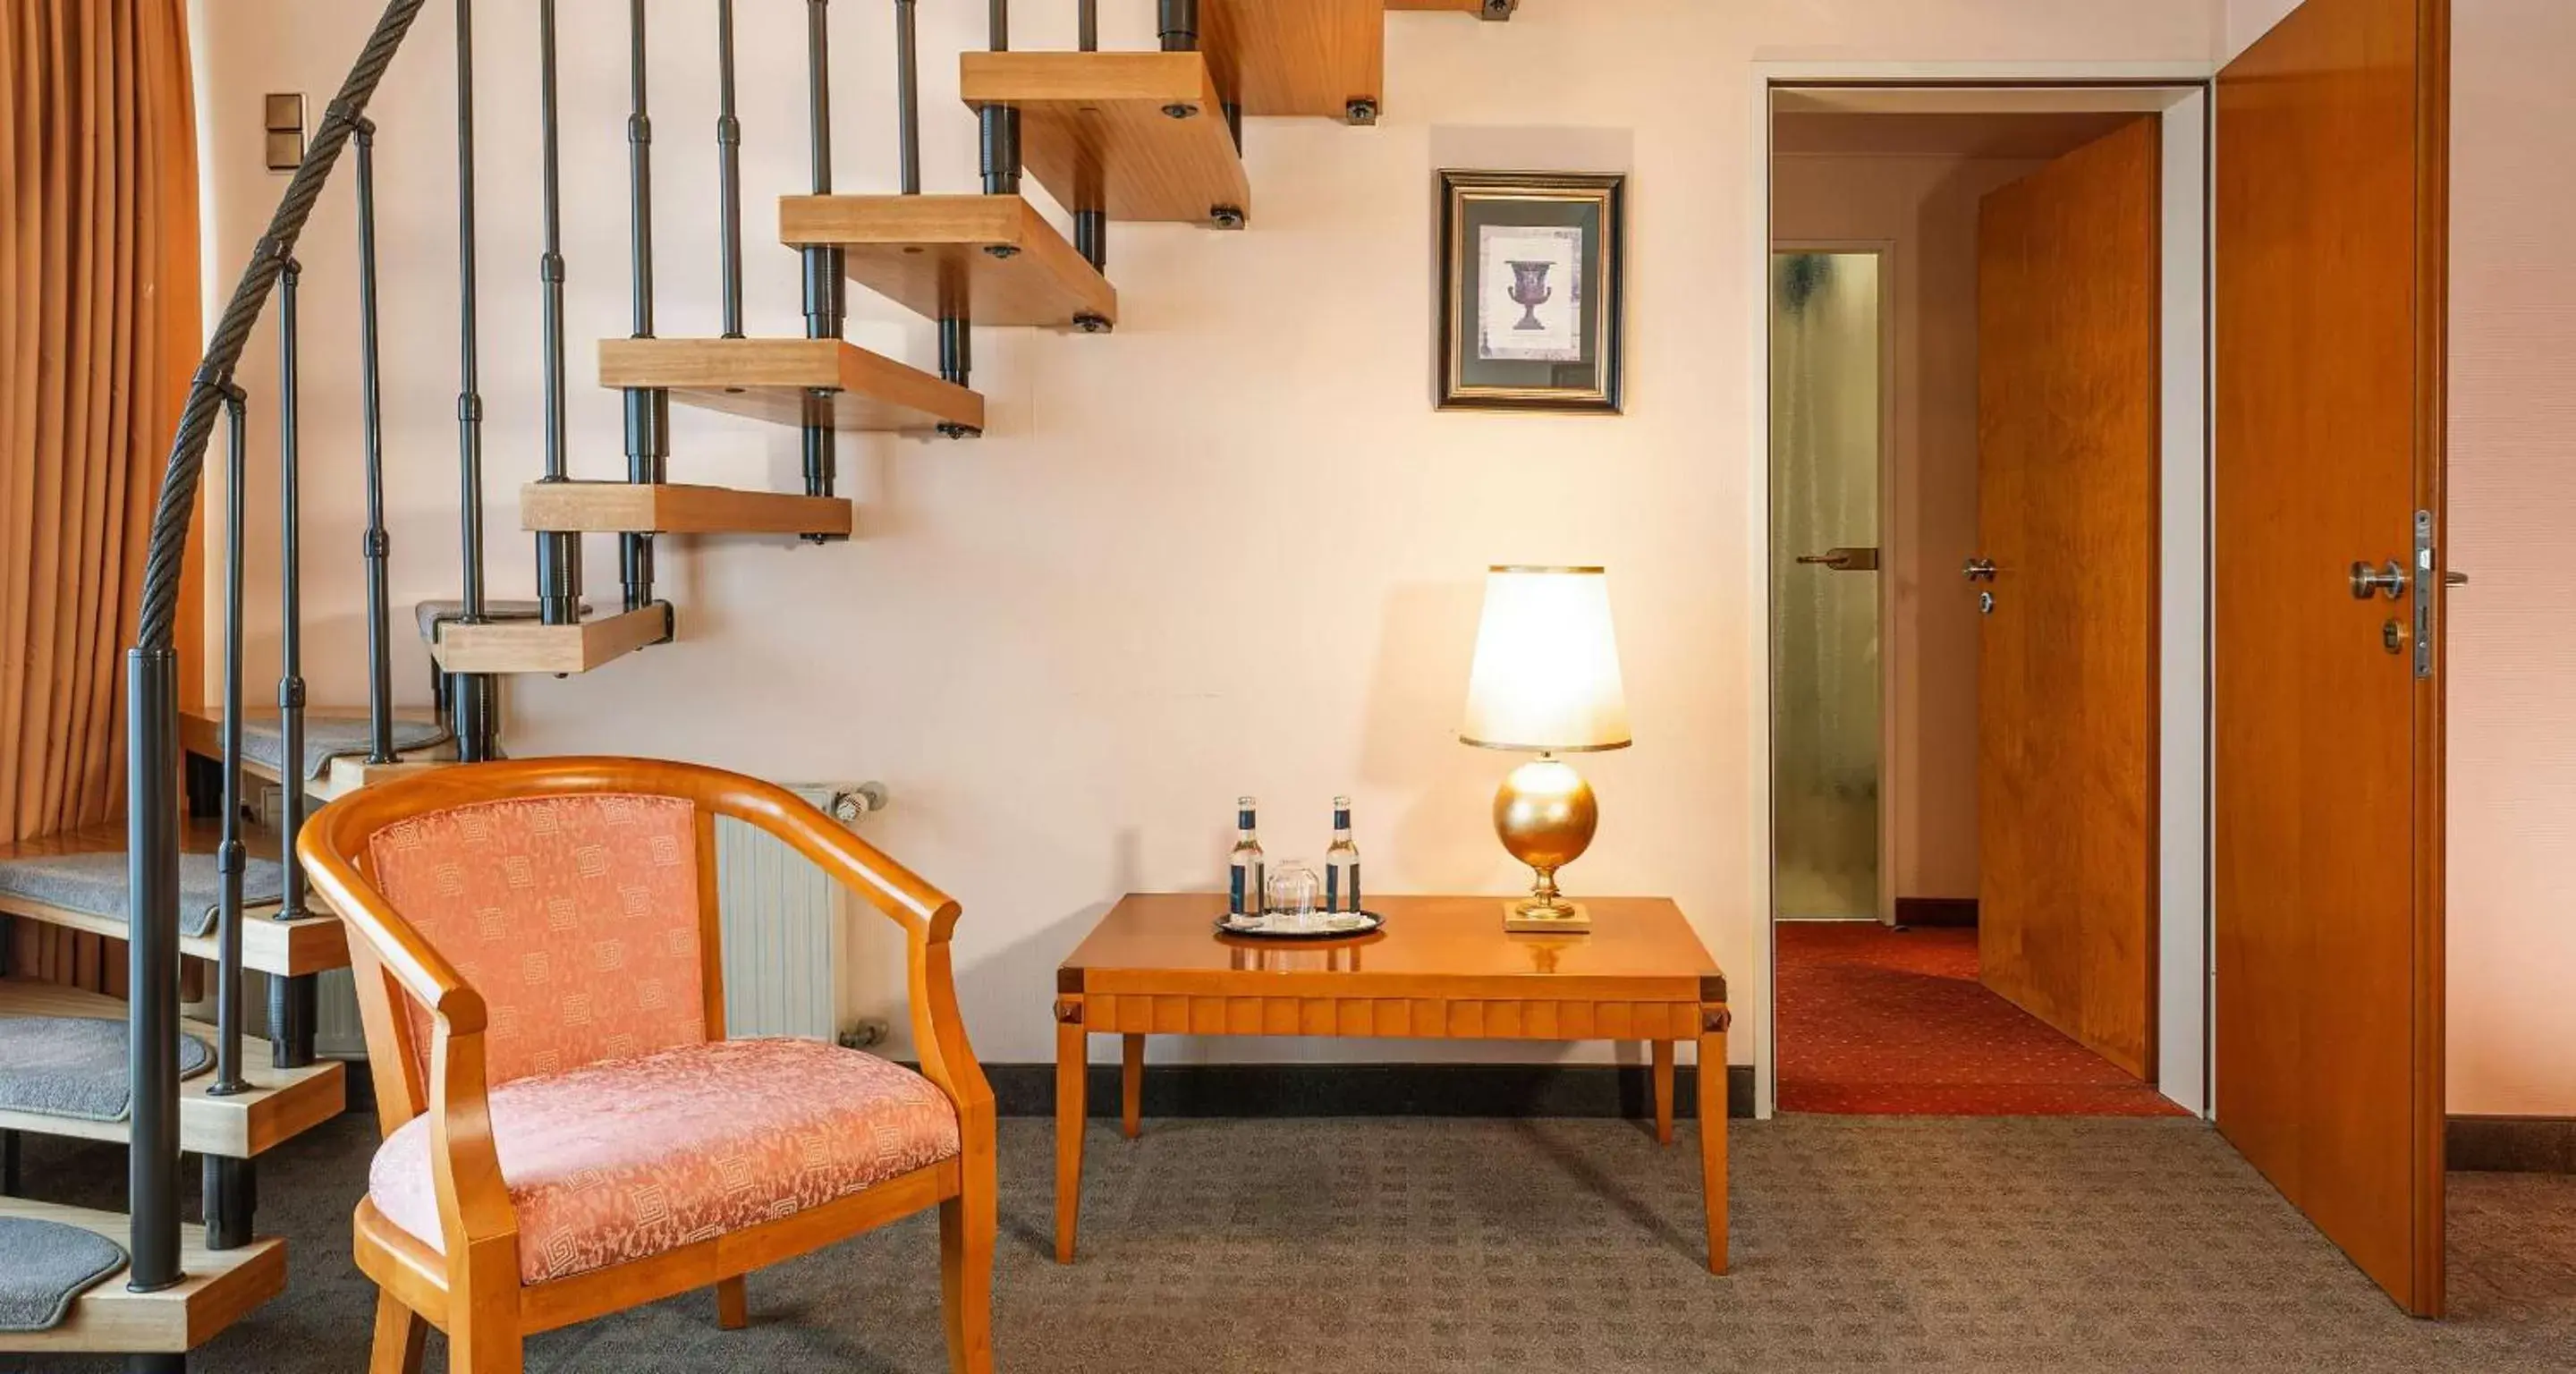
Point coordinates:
pixel 1825 442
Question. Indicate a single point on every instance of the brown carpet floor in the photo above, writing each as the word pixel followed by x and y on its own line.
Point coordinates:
pixel 1439 1245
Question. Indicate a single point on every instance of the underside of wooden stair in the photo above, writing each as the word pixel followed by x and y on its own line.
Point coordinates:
pixel 528 646
pixel 279 1105
pixel 220 1287
pixel 1141 135
pixel 1298 57
pixel 310 944
pixel 774 379
pixel 990 259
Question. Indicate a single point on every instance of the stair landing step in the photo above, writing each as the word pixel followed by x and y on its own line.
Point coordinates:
pixel 201 734
pixel 313 944
pixel 670 508
pixel 280 1105
pixel 1095 132
pixel 534 647
pixel 772 379
pixel 991 259
pixel 1298 57
pixel 222 1287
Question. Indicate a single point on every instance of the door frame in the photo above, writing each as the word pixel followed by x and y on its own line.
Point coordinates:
pixel 2183 92
pixel 1885 250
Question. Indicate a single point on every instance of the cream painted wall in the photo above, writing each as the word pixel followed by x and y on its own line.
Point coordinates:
pixel 1927 208
pixel 2512 503
pixel 1230 549
pixel 2248 20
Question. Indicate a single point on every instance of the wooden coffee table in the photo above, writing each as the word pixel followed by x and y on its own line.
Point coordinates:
pixel 1443 968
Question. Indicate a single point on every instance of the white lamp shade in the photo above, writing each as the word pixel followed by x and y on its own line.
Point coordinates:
pixel 1546 675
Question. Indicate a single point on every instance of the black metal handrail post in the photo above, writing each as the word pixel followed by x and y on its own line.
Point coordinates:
pixel 558 551
pixel 472 696
pixel 227 1183
pixel 826 290
pixel 728 173
pixel 1087 26
pixel 907 97
pixel 999 125
pixel 375 547
pixel 648 409
pixel 290 1000
pixel 152 698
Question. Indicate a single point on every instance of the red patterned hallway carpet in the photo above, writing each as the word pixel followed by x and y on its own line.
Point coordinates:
pixel 1874 1021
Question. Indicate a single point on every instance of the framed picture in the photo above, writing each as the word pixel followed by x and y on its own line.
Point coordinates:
pixel 1530 300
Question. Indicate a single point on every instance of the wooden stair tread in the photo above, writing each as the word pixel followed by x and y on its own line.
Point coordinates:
pixel 671 508
pixel 1093 130
pixel 280 1105
pixel 521 646
pixel 221 1287
pixel 929 254
pixel 771 379
pixel 201 734
pixel 1296 57
pixel 312 944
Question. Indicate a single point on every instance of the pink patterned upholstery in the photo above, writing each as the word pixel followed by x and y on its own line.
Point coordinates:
pixel 575 918
pixel 628 1158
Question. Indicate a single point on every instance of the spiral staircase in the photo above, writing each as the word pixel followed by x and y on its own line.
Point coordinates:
pixel 1111 136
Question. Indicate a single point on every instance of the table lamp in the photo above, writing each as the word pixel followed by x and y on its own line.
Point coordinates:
pixel 1546 681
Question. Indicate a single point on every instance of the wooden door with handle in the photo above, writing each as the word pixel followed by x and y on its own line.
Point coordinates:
pixel 2067 288
pixel 2329 254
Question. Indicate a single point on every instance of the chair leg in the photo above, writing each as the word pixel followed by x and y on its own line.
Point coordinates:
pixel 485 1352
pixel 733 1305
pixel 399 1332
pixel 967 1227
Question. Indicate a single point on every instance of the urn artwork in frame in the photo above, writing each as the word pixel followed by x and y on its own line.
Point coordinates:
pixel 1531 268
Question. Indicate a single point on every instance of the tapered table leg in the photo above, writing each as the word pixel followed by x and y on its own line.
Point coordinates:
pixel 1071 1053
pixel 1712 1130
pixel 1131 1086
pixel 1663 1056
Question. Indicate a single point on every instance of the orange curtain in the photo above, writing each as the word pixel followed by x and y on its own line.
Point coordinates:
pixel 98 334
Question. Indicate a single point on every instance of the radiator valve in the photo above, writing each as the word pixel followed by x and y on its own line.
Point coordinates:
pixel 866 1033
pixel 850 805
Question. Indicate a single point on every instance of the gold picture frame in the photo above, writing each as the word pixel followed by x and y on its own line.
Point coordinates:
pixel 1532 291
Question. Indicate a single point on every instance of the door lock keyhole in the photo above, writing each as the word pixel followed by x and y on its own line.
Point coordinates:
pixel 2392 637
pixel 1985 603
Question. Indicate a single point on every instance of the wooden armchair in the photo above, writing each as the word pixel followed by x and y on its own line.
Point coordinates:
pixel 567 1131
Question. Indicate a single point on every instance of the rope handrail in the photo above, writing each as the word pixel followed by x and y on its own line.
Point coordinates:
pixel 177 507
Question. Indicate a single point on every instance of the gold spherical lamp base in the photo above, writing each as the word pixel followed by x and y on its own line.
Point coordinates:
pixel 1545 814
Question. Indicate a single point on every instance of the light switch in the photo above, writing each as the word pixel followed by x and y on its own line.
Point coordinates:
pixel 283 116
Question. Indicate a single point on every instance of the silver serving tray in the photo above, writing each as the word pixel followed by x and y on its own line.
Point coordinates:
pixel 1335 925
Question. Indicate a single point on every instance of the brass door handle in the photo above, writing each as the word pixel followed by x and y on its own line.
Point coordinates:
pixel 1978 570
pixel 1844 560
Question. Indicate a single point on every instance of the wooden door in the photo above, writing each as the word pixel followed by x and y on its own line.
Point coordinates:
pixel 2066 513
pixel 2327 767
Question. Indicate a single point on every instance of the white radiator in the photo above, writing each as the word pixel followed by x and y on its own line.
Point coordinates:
pixel 796 962
pixel 790 966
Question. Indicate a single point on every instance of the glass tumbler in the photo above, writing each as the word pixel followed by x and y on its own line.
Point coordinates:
pixel 1293 889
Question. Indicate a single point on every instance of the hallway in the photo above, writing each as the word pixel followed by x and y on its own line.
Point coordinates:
pixel 1877 1021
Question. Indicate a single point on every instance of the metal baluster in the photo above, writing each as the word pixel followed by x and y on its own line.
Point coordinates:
pixel 1000 124
pixel 227 1183
pixel 826 293
pixel 1089 16
pixel 558 551
pixel 472 699
pixel 648 409
pixel 729 171
pixel 1179 23
pixel 290 1000
pixel 907 97
pixel 375 547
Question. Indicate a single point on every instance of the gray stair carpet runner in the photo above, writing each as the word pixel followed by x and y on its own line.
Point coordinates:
pixel 94 884
pixel 328 737
pixel 74 1066
pixel 44 1265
